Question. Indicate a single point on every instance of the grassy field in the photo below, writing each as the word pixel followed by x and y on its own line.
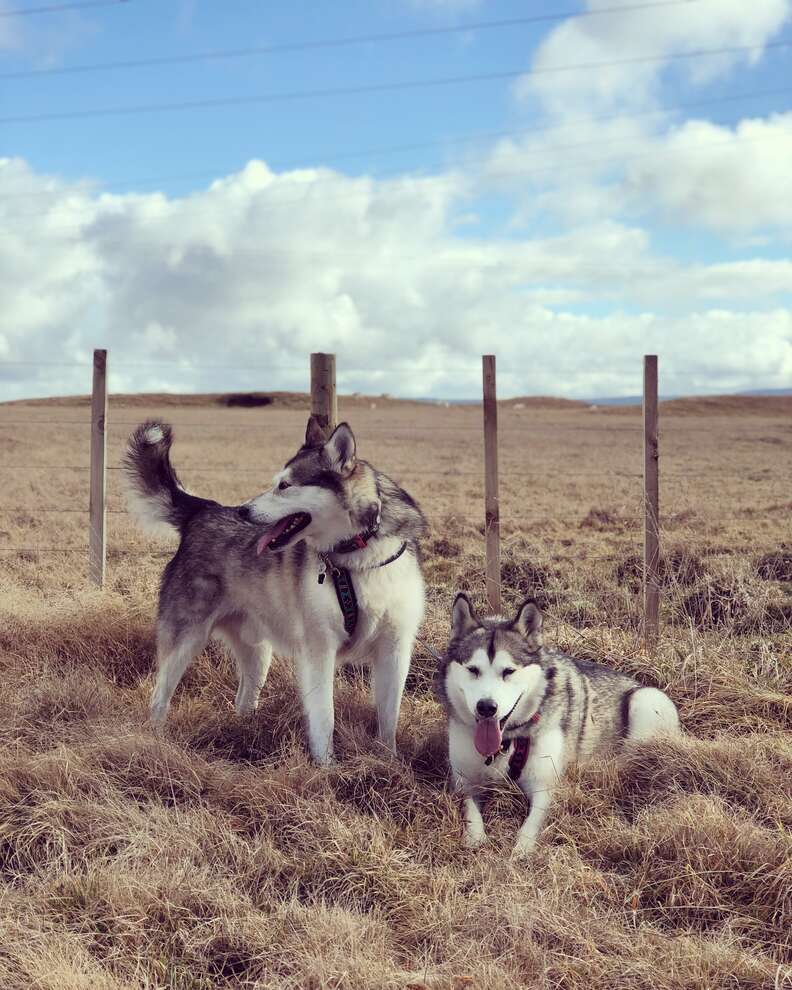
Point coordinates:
pixel 217 856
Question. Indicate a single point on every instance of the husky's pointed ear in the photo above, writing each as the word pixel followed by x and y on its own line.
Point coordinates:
pixel 463 619
pixel 528 623
pixel 340 450
pixel 315 433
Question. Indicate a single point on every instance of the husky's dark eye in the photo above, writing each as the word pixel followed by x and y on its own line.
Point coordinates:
pixel 283 485
pixel 474 671
pixel 509 671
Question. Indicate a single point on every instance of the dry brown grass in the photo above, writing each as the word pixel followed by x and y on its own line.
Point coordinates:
pixel 216 856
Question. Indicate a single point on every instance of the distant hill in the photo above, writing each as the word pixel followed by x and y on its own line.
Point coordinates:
pixel 713 405
pixel 239 400
pixel 768 402
pixel 768 391
pixel 288 400
pixel 747 404
pixel 635 400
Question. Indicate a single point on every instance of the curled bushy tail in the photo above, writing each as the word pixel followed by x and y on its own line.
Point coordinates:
pixel 154 493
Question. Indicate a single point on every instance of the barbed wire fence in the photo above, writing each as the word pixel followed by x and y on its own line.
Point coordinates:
pixel 323 403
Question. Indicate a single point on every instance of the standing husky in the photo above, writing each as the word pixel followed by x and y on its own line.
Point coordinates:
pixel 520 710
pixel 323 568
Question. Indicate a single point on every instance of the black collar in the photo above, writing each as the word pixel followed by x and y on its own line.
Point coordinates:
pixel 358 542
pixel 506 718
pixel 521 725
pixel 390 560
pixel 328 565
pixel 345 589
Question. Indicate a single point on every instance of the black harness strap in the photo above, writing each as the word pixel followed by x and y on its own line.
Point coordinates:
pixel 345 589
pixel 347 599
pixel 522 747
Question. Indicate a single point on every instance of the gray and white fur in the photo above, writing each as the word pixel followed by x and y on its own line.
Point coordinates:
pixel 498 683
pixel 249 575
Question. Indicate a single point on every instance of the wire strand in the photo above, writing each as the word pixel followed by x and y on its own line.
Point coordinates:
pixel 388 87
pixel 330 43
pixel 14 192
pixel 459 251
pixel 56 8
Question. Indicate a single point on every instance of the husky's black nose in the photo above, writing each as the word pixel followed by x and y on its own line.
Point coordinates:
pixel 486 708
pixel 244 512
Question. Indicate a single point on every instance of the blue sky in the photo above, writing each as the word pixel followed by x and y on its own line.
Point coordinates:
pixel 570 219
pixel 292 132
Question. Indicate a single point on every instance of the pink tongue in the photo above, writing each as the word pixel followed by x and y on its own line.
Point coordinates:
pixel 271 534
pixel 487 739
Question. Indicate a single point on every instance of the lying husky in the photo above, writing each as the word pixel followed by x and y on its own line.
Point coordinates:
pixel 322 568
pixel 520 710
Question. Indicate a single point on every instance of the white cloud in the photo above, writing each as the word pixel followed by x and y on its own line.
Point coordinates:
pixel 660 31
pixel 188 293
pixel 730 180
pixel 612 151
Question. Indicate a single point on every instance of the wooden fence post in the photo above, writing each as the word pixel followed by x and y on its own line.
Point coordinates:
pixel 651 504
pixel 324 406
pixel 491 500
pixel 96 509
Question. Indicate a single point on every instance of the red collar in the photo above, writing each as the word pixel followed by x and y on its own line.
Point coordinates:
pixel 358 542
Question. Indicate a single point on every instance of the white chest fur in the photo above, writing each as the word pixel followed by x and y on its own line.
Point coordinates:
pixel 467 764
pixel 390 603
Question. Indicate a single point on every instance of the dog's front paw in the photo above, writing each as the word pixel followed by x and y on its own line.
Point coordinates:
pixel 474 838
pixel 323 757
pixel 156 722
pixel 523 848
